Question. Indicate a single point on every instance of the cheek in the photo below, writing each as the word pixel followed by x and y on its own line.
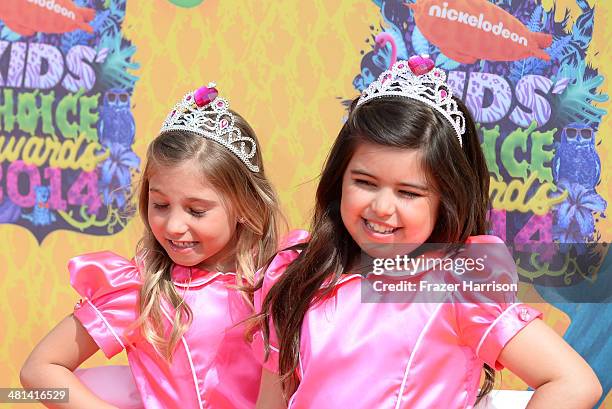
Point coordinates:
pixel 152 216
pixel 218 226
pixel 155 222
pixel 428 215
pixel 417 214
pixel 352 201
pixel 434 207
pixel 346 205
pixel 155 228
pixel 216 232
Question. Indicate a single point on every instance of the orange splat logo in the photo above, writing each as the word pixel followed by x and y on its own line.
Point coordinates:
pixel 469 30
pixel 28 17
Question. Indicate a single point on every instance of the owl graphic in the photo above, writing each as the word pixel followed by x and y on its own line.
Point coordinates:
pixel 576 159
pixel 116 124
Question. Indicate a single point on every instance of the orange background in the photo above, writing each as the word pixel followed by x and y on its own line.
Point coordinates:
pixel 282 65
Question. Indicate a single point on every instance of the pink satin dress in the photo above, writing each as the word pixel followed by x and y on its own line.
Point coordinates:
pixel 394 355
pixel 213 365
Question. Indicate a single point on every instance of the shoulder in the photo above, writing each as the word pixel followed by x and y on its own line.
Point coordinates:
pixel 288 252
pixel 488 270
pixel 491 250
pixel 484 239
pixel 293 238
pixel 109 285
pixel 102 272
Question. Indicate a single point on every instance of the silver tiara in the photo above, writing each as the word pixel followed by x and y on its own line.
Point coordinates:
pixel 418 79
pixel 204 113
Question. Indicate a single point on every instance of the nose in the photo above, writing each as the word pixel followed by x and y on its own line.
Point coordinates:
pixel 176 225
pixel 383 204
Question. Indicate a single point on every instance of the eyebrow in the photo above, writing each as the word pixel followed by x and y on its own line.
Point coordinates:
pixel 412 185
pixel 189 199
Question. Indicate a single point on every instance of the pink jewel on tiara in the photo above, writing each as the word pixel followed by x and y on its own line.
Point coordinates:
pixel 420 65
pixel 204 95
pixel 211 118
pixel 443 94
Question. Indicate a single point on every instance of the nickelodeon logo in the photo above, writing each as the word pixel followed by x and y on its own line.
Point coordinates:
pixel 51 5
pixel 472 30
pixel 479 22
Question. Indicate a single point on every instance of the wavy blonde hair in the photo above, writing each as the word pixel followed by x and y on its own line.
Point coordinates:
pixel 246 194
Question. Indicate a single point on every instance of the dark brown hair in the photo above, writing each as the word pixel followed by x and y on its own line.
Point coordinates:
pixel 395 122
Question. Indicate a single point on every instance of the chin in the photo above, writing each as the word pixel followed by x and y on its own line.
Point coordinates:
pixel 387 250
pixel 378 250
pixel 184 261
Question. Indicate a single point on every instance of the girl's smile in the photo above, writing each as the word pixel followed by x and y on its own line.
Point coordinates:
pixel 379 228
pixel 189 218
pixel 386 198
pixel 182 246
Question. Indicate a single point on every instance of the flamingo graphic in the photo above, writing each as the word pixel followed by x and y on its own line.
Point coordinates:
pixel 381 40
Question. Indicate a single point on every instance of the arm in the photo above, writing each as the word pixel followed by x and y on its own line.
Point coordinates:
pixel 559 375
pixel 270 392
pixel 52 361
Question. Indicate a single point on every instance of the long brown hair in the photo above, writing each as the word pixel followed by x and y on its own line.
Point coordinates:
pixel 395 122
pixel 249 195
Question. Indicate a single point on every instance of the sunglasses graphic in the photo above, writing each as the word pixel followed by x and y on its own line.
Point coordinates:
pixel 112 96
pixel 572 133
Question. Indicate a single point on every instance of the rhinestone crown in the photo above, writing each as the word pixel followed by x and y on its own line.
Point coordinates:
pixel 418 79
pixel 204 113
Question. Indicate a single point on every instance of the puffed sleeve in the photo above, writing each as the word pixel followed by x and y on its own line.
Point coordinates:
pixel 109 285
pixel 274 271
pixel 486 327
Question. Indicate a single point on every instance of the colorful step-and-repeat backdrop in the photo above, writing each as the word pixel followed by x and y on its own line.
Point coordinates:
pixel 85 85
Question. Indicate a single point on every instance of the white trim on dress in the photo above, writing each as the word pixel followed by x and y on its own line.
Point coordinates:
pixel 413 353
pixel 205 281
pixel 193 372
pixel 106 322
pixel 491 327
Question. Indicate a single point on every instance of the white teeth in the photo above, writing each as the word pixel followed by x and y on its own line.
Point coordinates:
pixel 183 244
pixel 379 228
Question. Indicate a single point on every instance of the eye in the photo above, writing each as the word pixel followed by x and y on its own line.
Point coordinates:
pixel 364 182
pixel 159 206
pixel 197 213
pixel 409 195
